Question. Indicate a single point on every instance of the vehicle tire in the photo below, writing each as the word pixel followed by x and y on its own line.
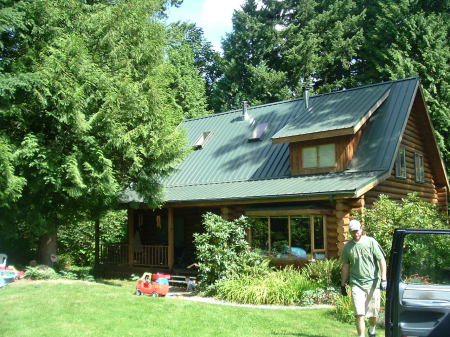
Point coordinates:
pixel 138 293
pixel 155 294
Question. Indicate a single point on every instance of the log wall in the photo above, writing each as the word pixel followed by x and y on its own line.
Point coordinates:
pixel 414 140
pixel 345 208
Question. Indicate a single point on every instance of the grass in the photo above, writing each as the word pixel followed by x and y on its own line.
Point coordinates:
pixel 57 308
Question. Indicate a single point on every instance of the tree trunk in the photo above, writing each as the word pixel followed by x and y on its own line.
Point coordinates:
pixel 97 241
pixel 47 247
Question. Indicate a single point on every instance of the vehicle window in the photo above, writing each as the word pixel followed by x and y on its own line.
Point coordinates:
pixel 426 259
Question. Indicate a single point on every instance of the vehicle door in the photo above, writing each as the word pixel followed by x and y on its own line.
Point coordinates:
pixel 418 293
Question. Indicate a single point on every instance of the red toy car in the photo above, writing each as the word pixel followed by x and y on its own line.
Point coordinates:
pixel 145 285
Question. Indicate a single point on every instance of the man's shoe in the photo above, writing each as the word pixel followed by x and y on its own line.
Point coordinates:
pixel 371 334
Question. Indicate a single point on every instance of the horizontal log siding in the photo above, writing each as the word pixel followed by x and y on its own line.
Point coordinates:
pixel 332 235
pixel 414 140
pixel 345 209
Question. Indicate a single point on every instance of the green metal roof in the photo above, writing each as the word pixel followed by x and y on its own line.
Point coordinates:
pixel 229 167
pixel 342 110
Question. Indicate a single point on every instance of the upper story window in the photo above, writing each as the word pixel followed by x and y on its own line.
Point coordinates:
pixel 319 156
pixel 419 167
pixel 400 164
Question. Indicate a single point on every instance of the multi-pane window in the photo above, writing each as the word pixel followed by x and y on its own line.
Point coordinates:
pixel 319 156
pixel 400 163
pixel 419 167
pixel 299 236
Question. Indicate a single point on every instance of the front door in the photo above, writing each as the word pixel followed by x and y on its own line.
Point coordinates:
pixel 418 296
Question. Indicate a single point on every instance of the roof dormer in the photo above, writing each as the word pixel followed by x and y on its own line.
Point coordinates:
pixel 324 136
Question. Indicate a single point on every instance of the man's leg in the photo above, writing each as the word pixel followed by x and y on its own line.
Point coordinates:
pixel 372 309
pixel 359 302
pixel 360 325
pixel 372 325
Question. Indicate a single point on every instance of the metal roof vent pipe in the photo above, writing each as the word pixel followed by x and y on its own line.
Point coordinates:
pixel 245 115
pixel 306 89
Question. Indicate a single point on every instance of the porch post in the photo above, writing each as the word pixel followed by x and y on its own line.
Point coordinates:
pixel 170 238
pixel 130 236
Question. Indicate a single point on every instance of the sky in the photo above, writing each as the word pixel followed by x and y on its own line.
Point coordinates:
pixel 213 16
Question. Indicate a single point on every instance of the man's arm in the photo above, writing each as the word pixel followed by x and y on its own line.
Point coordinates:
pixel 383 268
pixel 345 272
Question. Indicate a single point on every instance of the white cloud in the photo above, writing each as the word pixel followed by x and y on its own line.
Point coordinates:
pixel 219 12
pixel 215 18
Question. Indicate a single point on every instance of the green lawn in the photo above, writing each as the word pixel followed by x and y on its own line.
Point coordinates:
pixel 96 309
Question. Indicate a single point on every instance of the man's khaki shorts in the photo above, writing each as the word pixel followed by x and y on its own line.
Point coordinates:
pixel 366 302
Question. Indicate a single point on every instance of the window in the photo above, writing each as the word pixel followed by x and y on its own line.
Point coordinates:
pixel 299 236
pixel 400 164
pixel 319 156
pixel 202 140
pixel 425 259
pixel 419 167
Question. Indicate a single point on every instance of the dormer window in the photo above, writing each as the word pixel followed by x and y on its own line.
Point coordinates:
pixel 319 156
pixel 258 131
pixel 201 141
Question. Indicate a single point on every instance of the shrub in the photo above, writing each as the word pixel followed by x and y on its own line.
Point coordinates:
pixel 318 296
pixel 78 273
pixel 386 215
pixel 283 287
pixel 41 272
pixel 223 252
pixel 327 273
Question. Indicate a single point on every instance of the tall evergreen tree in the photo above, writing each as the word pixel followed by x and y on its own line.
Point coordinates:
pixel 333 44
pixel 410 38
pixel 183 76
pixel 206 59
pixel 251 56
pixel 85 109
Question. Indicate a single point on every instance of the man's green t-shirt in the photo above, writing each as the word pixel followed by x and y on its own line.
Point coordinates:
pixel 363 257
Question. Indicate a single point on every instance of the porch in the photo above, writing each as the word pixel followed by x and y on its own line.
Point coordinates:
pixel 120 254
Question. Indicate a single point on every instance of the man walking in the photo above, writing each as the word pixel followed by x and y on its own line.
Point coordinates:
pixel 363 261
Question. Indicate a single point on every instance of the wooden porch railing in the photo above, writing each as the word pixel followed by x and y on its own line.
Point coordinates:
pixel 117 253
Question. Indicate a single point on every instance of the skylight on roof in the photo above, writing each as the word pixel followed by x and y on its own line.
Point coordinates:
pixel 258 131
pixel 202 140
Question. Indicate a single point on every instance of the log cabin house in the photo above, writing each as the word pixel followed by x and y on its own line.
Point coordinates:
pixel 297 169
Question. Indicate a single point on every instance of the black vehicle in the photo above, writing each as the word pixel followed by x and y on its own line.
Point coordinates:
pixel 418 293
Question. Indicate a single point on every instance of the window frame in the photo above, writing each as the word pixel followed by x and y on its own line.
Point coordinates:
pixel 317 162
pixel 400 163
pixel 313 253
pixel 419 167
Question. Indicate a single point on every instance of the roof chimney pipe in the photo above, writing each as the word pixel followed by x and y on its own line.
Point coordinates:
pixel 245 115
pixel 306 96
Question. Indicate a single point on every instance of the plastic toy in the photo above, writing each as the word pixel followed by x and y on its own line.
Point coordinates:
pixel 157 288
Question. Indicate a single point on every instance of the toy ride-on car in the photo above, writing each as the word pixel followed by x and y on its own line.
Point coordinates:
pixel 153 286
